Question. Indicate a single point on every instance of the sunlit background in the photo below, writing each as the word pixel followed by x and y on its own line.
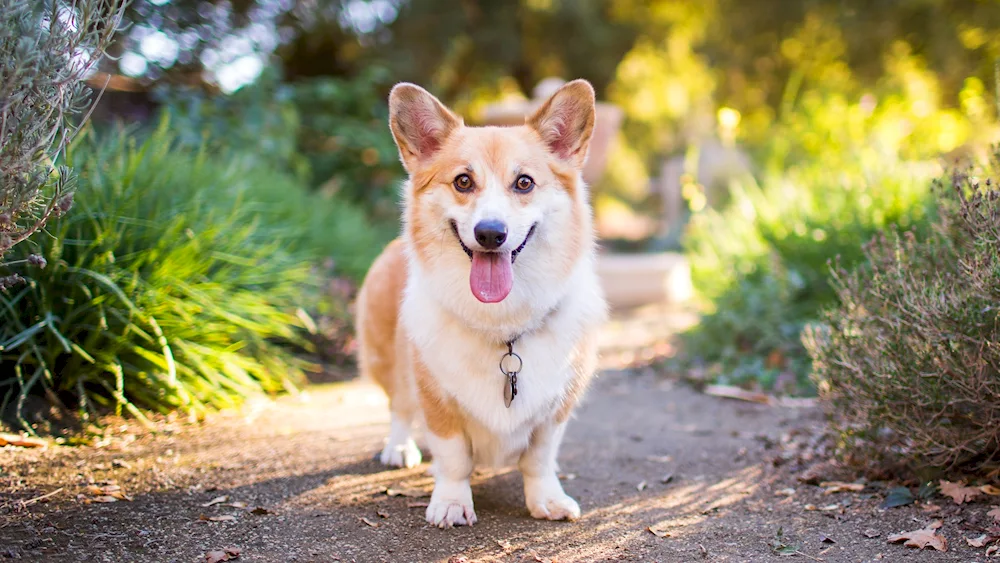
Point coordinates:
pixel 740 146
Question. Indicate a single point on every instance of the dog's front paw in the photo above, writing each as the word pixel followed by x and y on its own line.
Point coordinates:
pixel 546 500
pixel 451 505
pixel 405 455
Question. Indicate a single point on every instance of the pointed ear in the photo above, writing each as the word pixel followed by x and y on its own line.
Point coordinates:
pixel 566 121
pixel 419 123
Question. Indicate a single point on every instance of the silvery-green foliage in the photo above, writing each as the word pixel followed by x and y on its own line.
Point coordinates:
pixel 47 49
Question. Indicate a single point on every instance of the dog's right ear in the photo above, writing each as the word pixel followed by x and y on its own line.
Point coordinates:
pixel 419 123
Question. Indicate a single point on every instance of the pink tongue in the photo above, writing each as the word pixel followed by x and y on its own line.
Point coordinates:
pixel 492 276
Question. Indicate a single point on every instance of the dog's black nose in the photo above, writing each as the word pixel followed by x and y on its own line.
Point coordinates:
pixel 490 233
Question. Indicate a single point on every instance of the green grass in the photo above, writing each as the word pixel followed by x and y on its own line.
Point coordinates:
pixel 182 279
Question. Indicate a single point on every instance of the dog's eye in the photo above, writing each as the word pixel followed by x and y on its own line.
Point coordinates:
pixel 463 182
pixel 524 183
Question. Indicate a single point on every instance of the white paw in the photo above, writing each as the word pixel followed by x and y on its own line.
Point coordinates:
pixel 547 501
pixel 451 505
pixel 405 455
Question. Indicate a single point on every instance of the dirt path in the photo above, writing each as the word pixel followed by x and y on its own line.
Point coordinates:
pixel 308 462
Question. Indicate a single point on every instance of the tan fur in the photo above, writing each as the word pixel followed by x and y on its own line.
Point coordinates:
pixel 434 348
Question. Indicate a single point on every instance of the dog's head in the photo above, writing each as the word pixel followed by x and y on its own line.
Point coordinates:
pixel 504 205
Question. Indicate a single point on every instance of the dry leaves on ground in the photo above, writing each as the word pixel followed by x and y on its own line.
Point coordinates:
pixel 216 500
pixel 922 538
pixel 982 541
pixel 995 513
pixel 21 441
pixel 659 533
pixel 224 518
pixel 220 555
pixel 108 491
pixel 841 487
pixel 990 490
pixel 958 491
pixel 406 492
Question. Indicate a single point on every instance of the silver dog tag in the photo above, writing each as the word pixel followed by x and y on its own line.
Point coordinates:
pixel 508 392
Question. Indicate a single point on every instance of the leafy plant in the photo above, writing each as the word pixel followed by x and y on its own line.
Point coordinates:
pixel 909 359
pixel 46 50
pixel 759 264
pixel 330 132
pixel 184 280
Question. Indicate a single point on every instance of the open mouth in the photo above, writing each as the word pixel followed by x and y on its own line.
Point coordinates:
pixel 492 274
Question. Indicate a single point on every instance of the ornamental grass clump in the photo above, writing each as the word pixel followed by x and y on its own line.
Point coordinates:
pixel 909 361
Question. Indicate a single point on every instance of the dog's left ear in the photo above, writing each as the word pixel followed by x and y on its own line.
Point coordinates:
pixel 566 121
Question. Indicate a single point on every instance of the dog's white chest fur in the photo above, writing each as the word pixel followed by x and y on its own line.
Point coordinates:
pixel 467 366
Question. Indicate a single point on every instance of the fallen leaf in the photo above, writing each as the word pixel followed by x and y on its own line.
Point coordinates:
pixel 220 555
pixel 369 522
pixel 810 507
pixel 659 533
pixel 236 504
pixel 922 538
pixel 981 541
pixel 216 500
pixel 416 505
pixel 539 558
pixel 958 491
pixel 830 507
pixel 406 492
pixel 785 492
pixel 223 518
pixel 260 511
pixel 990 490
pixel 871 533
pixel 841 487
pixel 641 486
pixel 930 508
pixel 104 498
pixel 992 550
pixel 667 478
pixel 382 514
pixel 899 496
pixel 733 392
pixel 21 441
pixel 995 513
pixel 823 538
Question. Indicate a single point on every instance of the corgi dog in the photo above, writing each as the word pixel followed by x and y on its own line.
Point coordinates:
pixel 480 320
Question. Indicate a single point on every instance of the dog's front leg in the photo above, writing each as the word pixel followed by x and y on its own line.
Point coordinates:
pixel 543 493
pixel 451 501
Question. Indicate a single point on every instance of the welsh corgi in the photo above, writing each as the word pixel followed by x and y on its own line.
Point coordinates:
pixel 480 320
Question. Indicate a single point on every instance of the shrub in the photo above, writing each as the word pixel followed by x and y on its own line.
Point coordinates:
pixel 760 263
pixel 182 281
pixel 909 359
pixel 331 132
pixel 46 50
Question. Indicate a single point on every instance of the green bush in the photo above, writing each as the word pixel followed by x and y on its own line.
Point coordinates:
pixel 330 132
pixel 760 263
pixel 909 359
pixel 183 280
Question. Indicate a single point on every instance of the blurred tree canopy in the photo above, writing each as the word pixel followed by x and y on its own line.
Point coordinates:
pixel 671 64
